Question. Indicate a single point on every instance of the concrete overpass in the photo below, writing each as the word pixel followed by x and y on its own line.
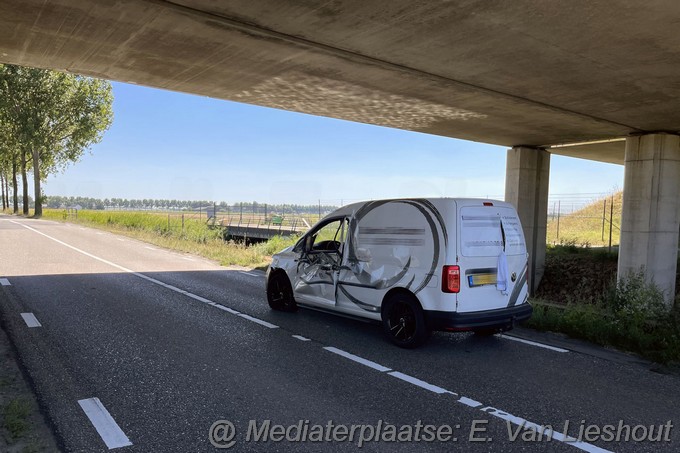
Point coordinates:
pixel 591 79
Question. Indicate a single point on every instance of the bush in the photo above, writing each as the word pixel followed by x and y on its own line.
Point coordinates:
pixel 632 315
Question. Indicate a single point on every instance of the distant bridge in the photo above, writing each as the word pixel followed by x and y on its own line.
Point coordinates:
pixel 259 229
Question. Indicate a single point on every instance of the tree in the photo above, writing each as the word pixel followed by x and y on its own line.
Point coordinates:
pixel 54 117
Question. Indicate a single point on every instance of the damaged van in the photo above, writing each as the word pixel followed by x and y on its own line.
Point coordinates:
pixel 415 265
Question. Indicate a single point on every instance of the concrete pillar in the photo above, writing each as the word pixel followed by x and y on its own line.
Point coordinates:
pixel 526 187
pixel 651 209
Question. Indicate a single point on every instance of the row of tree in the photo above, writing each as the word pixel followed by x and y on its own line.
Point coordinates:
pixel 193 205
pixel 47 120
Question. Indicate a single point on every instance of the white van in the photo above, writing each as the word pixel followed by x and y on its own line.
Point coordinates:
pixel 416 265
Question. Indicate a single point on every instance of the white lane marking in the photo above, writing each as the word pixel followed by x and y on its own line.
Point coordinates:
pixel 258 321
pixel 188 259
pixel 252 275
pixel 227 309
pixel 153 280
pixel 151 248
pixel 100 233
pixel 5 282
pixel 301 338
pixel 356 358
pixel 533 343
pixel 106 426
pixel 526 424
pixel 469 402
pixel 31 320
pixel 199 298
pixel 419 383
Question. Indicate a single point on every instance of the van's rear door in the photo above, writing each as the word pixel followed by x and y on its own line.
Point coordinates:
pixel 484 232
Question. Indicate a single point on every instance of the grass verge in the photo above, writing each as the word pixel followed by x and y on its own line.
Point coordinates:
pixel 174 232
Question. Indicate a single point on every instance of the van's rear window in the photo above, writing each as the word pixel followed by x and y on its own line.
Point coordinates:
pixel 484 231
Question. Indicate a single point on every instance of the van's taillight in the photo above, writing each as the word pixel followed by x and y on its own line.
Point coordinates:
pixel 451 279
pixel 488 203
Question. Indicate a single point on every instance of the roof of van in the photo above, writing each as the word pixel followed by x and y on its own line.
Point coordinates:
pixel 350 208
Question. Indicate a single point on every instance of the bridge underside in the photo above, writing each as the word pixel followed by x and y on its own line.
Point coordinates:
pixel 529 74
pixel 509 73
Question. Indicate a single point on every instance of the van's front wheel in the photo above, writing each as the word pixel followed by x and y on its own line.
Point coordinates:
pixel 404 322
pixel 280 293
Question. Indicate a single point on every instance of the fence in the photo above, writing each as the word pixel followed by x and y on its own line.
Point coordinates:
pixel 584 220
pixel 578 219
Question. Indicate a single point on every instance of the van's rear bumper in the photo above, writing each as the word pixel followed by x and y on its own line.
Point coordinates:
pixel 500 318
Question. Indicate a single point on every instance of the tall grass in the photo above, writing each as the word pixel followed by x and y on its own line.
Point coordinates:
pixel 188 234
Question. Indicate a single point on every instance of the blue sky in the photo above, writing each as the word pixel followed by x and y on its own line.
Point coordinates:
pixel 164 144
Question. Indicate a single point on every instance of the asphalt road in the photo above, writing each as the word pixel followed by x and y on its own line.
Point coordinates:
pixel 143 350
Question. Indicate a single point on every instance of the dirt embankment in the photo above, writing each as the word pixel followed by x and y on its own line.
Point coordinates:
pixel 577 277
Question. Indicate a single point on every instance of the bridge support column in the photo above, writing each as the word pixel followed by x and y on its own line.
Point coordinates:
pixel 526 187
pixel 651 209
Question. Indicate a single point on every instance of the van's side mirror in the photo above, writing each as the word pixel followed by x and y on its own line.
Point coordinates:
pixel 363 255
pixel 309 240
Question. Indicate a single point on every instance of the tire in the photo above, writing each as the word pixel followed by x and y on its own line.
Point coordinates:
pixel 404 322
pixel 280 293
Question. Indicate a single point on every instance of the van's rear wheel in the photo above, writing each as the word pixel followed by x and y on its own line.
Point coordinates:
pixel 280 293
pixel 404 322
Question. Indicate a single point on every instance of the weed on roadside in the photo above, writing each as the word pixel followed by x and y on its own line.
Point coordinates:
pixel 15 418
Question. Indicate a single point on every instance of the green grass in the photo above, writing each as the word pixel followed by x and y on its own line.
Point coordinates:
pixel 167 230
pixel 584 227
pixel 15 418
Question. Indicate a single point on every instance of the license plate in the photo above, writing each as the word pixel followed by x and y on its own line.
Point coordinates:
pixel 481 279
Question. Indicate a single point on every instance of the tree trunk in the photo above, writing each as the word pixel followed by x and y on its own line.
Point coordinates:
pixel 5 200
pixel 2 189
pixel 7 188
pixel 36 184
pixel 16 186
pixel 24 182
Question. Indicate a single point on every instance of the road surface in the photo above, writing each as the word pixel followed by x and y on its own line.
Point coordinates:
pixel 139 349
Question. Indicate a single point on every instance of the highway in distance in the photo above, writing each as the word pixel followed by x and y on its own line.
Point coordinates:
pixel 135 348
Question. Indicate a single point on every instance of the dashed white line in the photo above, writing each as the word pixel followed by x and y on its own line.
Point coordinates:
pixel 301 338
pixel 526 424
pixel 5 282
pixel 106 426
pixel 31 320
pixel 258 321
pixel 188 259
pixel 419 383
pixel 121 240
pixel 356 358
pixel 100 233
pixel 469 402
pixel 533 343
pixel 150 248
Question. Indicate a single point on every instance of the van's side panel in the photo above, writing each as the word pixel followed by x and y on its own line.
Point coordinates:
pixel 392 244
